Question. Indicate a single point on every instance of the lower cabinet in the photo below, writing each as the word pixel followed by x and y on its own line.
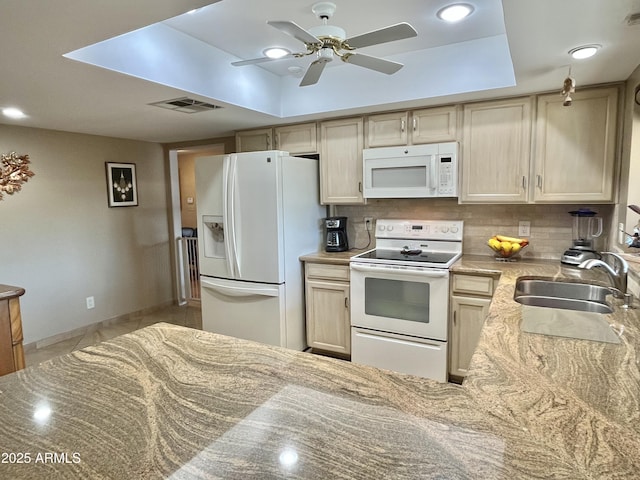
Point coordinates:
pixel 327 308
pixel 470 300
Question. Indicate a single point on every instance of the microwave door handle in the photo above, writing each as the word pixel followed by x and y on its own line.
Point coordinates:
pixel 432 176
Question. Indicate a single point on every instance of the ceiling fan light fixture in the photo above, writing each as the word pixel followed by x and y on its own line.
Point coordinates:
pixel 584 51
pixel 455 12
pixel 276 52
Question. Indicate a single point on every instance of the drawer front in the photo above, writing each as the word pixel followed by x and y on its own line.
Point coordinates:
pixel 473 284
pixel 332 272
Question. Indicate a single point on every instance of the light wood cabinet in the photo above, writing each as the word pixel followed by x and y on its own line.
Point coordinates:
pixel 575 147
pixel 496 151
pixel 296 139
pixel 254 140
pixel 429 125
pixel 341 144
pixel 387 129
pixel 327 308
pixel 11 350
pixel 470 300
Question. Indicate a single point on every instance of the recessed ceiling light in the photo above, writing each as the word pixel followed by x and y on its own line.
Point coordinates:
pixel 455 12
pixel 13 113
pixel 584 51
pixel 276 52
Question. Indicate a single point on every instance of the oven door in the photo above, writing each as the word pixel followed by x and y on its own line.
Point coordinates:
pixel 404 300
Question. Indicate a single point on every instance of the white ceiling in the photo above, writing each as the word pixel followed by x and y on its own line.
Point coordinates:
pixel 504 48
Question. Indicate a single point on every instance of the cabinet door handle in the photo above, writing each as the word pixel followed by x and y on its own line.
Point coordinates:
pixel 276 140
pixel 524 182
pixel 268 140
pixel 360 187
pixel 346 302
pixel 415 124
pixel 539 181
pixel 402 125
pixel 455 317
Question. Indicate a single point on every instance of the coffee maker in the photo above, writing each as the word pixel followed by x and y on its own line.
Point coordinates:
pixel 336 238
pixel 585 229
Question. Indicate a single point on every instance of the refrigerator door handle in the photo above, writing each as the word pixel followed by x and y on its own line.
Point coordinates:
pixel 226 217
pixel 232 214
pixel 240 291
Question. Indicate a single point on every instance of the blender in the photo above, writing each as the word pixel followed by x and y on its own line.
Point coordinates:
pixel 586 228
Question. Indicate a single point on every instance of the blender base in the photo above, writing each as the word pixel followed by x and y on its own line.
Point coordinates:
pixel 573 256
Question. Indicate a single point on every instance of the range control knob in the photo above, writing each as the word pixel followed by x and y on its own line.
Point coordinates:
pixel 454 229
pixel 444 229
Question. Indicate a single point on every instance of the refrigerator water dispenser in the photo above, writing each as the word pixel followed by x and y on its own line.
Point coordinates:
pixel 213 236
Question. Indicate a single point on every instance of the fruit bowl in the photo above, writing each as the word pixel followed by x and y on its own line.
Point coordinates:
pixel 507 248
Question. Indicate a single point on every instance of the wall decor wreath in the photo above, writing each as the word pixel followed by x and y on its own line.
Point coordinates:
pixel 14 171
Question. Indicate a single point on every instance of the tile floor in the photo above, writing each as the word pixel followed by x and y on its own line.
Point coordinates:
pixel 186 316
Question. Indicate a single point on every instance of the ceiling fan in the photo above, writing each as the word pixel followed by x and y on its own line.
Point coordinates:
pixel 328 41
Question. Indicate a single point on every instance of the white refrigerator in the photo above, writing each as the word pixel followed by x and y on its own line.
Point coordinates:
pixel 257 213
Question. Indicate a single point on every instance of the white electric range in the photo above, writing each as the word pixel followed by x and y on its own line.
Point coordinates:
pixel 400 296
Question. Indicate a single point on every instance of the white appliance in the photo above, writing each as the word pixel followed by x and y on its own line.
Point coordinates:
pixel 412 171
pixel 400 297
pixel 257 213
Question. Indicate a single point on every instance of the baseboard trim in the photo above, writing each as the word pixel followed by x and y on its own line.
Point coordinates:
pixel 76 332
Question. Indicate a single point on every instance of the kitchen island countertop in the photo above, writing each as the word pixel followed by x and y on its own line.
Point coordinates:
pixel 167 401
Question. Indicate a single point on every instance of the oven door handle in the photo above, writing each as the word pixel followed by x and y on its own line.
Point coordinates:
pixel 426 272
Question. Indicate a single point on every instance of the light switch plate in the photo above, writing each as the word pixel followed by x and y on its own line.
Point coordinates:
pixel 524 229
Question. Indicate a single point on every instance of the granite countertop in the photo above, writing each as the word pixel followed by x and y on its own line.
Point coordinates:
pixel 334 258
pixel 167 401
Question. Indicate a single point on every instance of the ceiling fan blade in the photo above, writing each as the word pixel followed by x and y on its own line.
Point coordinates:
pixel 391 33
pixel 295 31
pixel 313 72
pixel 254 61
pixel 373 63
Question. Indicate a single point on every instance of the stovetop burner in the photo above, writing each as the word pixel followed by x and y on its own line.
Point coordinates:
pixel 399 255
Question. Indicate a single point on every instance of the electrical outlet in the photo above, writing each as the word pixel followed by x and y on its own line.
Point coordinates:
pixel 368 223
pixel 524 229
pixel 90 303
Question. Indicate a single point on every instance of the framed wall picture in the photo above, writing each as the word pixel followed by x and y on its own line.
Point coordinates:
pixel 121 184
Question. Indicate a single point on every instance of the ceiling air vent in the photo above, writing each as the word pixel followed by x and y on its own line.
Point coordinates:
pixel 186 105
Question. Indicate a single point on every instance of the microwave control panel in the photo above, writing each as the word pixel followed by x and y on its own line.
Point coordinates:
pixel 446 176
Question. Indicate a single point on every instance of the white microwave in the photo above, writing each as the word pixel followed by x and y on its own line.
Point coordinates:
pixel 414 171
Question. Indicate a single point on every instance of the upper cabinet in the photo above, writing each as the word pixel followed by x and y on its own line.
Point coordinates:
pixel 296 139
pixel 496 150
pixel 257 140
pixel 575 147
pixel 341 144
pixel 430 125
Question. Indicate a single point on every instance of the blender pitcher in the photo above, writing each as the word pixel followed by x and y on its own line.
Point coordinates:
pixel 586 228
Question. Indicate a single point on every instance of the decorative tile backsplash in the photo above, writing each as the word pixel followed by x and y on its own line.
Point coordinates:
pixel 550 224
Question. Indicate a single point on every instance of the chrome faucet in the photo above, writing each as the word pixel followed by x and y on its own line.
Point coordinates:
pixel 617 274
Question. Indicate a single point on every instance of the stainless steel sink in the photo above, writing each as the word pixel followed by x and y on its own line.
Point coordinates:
pixel 564 294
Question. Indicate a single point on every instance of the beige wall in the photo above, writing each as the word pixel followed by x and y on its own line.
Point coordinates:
pixel 550 224
pixel 61 242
